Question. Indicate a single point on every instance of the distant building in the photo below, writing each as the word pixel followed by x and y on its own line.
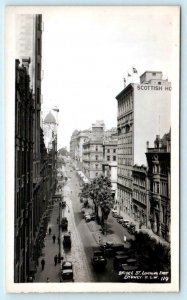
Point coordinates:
pixel 93 151
pixel 73 144
pixel 50 130
pixel 159 178
pixel 110 158
pixel 143 111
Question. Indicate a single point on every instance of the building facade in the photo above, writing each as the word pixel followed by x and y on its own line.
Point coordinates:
pixel 140 198
pixel 110 158
pixel 93 151
pixel 143 111
pixel 23 209
pixel 34 167
pixel 159 178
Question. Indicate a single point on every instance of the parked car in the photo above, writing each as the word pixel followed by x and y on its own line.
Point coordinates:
pixel 114 210
pixel 106 248
pixel 119 260
pixel 67 240
pixel 64 223
pixel 120 219
pixel 67 271
pixel 63 204
pixel 115 215
pixel 98 260
pixel 125 223
pixel 132 229
pixel 117 247
pixel 87 218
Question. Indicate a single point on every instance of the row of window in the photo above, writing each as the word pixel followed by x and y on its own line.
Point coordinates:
pixel 125 161
pixel 139 196
pixel 127 139
pixel 125 197
pixel 125 119
pixel 114 150
pixel 109 158
pixel 139 181
pixel 125 182
pixel 125 150
pixel 125 104
pixel 160 169
pixel 124 172
pixel 160 188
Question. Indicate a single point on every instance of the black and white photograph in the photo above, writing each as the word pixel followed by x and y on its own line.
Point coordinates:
pixel 92 167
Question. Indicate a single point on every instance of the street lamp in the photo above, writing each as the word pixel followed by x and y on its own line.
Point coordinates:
pixel 59 240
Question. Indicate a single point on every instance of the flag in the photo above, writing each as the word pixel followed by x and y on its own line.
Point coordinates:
pixel 134 70
pixel 129 75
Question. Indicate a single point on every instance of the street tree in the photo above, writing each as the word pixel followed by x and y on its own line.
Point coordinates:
pixel 99 190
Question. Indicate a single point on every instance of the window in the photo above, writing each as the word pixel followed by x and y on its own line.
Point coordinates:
pixel 96 166
pixel 38 71
pixel 108 150
pixel 38 95
pixel 108 158
pixel 159 83
pixel 157 187
pixel 153 74
pixel 96 174
pixel 96 149
pixel 96 157
pixel 114 158
pixel 114 150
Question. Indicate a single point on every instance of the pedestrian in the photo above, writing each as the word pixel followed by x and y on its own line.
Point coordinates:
pixel 49 230
pixel 55 259
pixel 54 238
pixel 48 280
pixel 43 264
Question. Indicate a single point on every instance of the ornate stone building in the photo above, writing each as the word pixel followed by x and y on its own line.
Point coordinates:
pixel 159 180
pixel 93 151
pixel 23 206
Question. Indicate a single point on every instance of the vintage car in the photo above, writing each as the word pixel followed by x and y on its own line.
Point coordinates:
pixel 63 204
pixel 98 260
pixel 67 240
pixel 119 260
pixel 64 223
pixel 67 271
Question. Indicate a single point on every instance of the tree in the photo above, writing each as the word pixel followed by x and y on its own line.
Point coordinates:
pixel 100 192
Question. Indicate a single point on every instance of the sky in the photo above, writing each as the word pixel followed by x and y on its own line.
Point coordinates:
pixel 88 51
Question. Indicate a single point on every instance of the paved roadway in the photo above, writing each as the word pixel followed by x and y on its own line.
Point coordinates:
pixel 82 250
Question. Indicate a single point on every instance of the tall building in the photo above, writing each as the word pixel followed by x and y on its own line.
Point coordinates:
pixel 159 180
pixel 110 158
pixel 23 207
pixel 143 112
pixel 93 151
pixel 34 179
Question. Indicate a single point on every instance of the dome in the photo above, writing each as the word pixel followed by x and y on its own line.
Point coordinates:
pixel 50 118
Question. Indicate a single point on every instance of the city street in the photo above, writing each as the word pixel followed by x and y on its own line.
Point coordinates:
pixel 85 238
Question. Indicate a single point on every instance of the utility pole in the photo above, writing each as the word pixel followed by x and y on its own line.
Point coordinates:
pixel 59 220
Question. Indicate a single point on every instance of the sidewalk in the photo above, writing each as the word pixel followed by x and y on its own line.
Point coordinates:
pixel 48 253
pixel 145 230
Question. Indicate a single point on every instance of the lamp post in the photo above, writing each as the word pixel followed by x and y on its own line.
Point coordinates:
pixel 59 239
